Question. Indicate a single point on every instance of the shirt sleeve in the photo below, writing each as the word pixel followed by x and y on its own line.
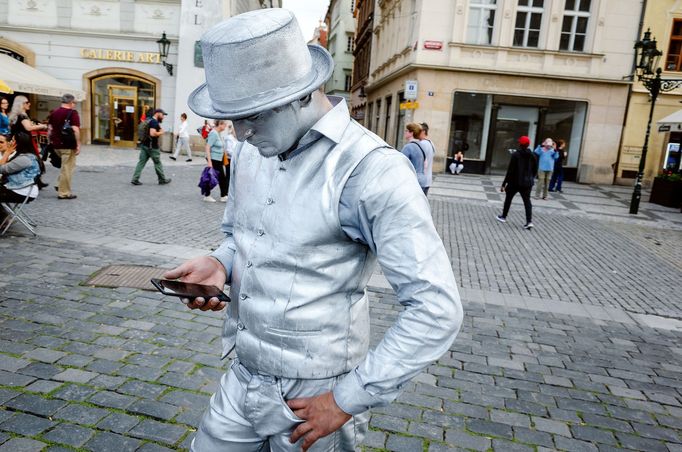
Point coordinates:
pixel 16 165
pixel 226 251
pixel 383 206
pixel 75 119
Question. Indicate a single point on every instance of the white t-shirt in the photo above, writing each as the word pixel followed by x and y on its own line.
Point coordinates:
pixel 182 130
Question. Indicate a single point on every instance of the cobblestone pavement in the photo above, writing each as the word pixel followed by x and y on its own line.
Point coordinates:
pixel 85 368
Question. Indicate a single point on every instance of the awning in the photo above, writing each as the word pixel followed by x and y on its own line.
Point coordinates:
pixel 23 78
pixel 671 120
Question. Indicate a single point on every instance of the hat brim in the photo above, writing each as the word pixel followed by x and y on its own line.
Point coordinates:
pixel 199 100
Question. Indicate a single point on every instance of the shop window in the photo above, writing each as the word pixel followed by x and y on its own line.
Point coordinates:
pixel 347 83
pixel 377 116
pixel 574 26
pixel 564 119
pixel 467 124
pixel 528 23
pixel 370 107
pixel 400 125
pixel 389 101
pixel 481 21
pixel 673 61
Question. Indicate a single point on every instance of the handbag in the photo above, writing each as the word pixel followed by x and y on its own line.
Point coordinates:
pixel 55 159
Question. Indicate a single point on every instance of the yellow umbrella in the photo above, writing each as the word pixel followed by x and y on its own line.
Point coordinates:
pixel 4 88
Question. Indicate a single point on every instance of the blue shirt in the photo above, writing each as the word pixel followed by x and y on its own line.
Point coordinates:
pixel 4 124
pixel 417 157
pixel 215 142
pixel 546 158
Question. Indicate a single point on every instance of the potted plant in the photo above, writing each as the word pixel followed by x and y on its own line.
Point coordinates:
pixel 667 189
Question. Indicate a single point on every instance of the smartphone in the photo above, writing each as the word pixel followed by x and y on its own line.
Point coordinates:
pixel 189 290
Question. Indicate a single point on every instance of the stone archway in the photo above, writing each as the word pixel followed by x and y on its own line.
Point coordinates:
pixel 88 77
pixel 28 55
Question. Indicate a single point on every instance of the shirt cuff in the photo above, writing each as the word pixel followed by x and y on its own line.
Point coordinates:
pixel 225 256
pixel 351 397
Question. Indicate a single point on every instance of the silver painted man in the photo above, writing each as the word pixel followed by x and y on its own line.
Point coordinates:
pixel 314 201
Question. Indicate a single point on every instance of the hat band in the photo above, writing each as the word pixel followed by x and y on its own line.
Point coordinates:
pixel 265 96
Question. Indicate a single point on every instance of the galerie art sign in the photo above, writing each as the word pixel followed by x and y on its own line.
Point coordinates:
pixel 121 55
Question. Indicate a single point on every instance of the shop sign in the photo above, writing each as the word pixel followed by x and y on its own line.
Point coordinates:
pixel 433 45
pixel 411 88
pixel 409 105
pixel 121 55
pixel 664 128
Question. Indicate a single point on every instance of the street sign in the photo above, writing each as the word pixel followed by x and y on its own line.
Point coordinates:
pixel 411 88
pixel 409 105
pixel 433 45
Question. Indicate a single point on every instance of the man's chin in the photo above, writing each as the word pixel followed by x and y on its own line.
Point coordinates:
pixel 268 151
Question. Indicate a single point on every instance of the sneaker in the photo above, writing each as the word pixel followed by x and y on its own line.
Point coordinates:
pixel 223 199
pixel 528 225
pixel 501 219
pixel 551 190
pixel 188 160
pixel 171 157
pixel 71 196
pixel 136 182
pixel 208 199
pixel 165 181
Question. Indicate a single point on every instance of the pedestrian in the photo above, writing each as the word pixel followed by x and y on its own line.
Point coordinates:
pixel 182 139
pixel 4 116
pixel 205 129
pixel 430 152
pixel 21 129
pixel 558 174
pixel 546 154
pixel 315 200
pixel 519 179
pixel 19 170
pixel 149 149
pixel 67 148
pixel 457 164
pixel 416 153
pixel 215 158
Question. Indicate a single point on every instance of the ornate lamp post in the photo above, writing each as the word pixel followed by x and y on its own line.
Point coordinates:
pixel 646 57
pixel 164 46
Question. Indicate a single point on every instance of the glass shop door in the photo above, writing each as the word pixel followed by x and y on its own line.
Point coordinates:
pixel 123 129
pixel 512 122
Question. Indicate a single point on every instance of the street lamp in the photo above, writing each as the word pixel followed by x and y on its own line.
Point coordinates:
pixel 646 58
pixel 164 46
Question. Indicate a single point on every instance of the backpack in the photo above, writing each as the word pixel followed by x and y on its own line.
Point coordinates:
pixel 67 134
pixel 143 131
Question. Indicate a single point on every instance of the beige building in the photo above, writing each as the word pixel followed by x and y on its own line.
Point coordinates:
pixel 488 71
pixel 664 19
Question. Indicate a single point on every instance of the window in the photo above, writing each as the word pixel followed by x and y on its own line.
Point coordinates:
pixel 352 6
pixel 377 115
pixel 673 61
pixel 389 100
pixel 369 117
pixel 348 82
pixel 574 27
pixel 528 23
pixel 349 44
pixel 481 21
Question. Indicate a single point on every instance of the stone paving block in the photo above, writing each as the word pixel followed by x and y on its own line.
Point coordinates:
pixel 404 443
pixel 514 419
pixel 75 376
pixel 142 389
pixel 34 404
pixel 630 415
pixel 551 426
pixel 154 408
pixel 118 422
pixel 140 372
pixel 526 407
pixel 574 445
pixel 72 392
pixel 489 428
pixel 7 394
pixel 504 445
pixel 41 370
pixel 529 436
pixel 72 435
pixel 107 382
pixel 444 420
pixel 138 325
pixel 26 424
pixel 186 399
pixel 104 366
pixel 75 360
pixel 45 355
pixel 638 443
pixel 189 417
pixel 151 447
pixel 593 435
pixel 418 400
pixel 655 432
pixel 607 423
pixel 14 379
pixel 12 364
pixel 437 447
pixel 426 431
pixel 112 400
pixel 111 442
pixel 81 414
pixel 158 431
pixel 466 409
pixel 625 392
pixel 22 445
pixel 463 439
pixel 389 423
pixel 43 386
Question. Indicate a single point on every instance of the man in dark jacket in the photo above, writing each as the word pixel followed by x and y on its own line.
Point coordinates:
pixel 519 179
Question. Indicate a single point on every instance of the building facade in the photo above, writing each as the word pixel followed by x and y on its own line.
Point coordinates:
pixel 664 19
pixel 109 50
pixel 488 71
pixel 364 32
pixel 340 42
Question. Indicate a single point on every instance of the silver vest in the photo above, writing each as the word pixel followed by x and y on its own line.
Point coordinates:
pixel 299 307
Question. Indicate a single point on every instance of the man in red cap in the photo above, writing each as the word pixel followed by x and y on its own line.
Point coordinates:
pixel 519 179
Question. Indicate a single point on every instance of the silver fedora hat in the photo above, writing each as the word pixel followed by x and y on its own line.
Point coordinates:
pixel 255 62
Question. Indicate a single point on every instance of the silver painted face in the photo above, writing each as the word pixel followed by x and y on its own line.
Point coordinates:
pixel 272 131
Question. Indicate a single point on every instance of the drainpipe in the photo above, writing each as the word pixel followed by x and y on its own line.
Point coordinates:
pixel 627 105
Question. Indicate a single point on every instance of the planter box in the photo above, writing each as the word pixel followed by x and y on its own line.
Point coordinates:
pixel 666 193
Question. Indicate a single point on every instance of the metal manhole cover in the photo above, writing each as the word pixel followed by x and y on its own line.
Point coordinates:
pixel 134 276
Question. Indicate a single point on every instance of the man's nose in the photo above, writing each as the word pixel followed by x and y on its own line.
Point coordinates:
pixel 242 129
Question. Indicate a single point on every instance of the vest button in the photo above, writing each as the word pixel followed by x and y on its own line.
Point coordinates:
pixel 261 232
pixel 242 296
pixel 249 264
pixel 240 326
pixel 269 201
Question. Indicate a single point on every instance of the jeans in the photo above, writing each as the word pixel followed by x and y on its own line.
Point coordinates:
pixel 525 196
pixel 543 183
pixel 68 165
pixel 556 180
pixel 147 153
pixel 183 143
pixel 248 413
pixel 223 176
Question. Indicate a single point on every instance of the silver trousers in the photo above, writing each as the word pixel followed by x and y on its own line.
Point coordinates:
pixel 248 413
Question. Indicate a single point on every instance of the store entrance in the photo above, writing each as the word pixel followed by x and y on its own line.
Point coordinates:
pixel 512 122
pixel 123 101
